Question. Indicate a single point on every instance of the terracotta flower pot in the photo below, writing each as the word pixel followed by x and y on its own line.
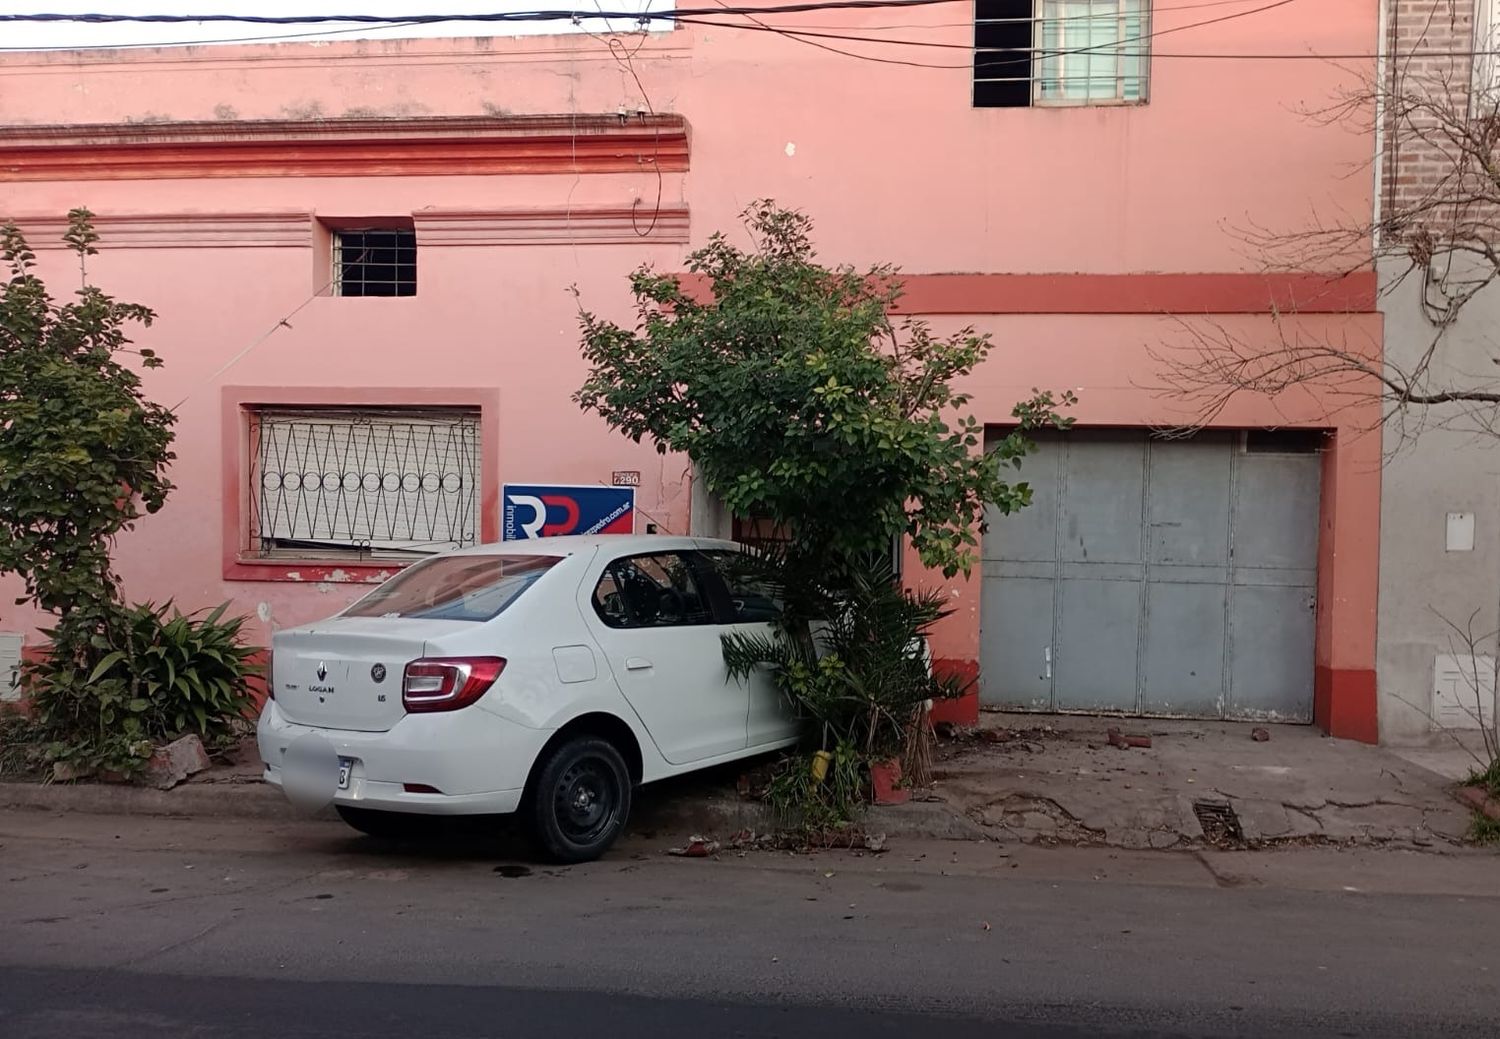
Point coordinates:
pixel 885 780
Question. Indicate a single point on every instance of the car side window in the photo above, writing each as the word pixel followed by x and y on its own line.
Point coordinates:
pixel 658 590
pixel 750 601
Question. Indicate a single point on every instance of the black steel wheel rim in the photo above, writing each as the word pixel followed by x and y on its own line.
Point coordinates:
pixel 587 801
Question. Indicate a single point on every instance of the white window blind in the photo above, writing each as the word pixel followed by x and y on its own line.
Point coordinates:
pixel 1092 51
pixel 1486 44
pixel 367 482
pixel 10 666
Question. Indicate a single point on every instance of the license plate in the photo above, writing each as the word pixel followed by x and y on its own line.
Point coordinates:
pixel 345 767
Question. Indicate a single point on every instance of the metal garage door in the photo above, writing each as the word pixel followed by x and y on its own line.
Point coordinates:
pixel 1165 577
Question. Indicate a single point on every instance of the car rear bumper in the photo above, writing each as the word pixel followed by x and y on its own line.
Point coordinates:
pixel 477 762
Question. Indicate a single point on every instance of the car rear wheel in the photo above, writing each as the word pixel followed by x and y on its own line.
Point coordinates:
pixel 580 800
pixel 391 826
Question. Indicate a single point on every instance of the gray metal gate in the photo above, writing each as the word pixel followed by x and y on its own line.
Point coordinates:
pixel 1162 577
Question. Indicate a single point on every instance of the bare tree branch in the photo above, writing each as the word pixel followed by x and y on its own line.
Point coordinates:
pixel 1438 237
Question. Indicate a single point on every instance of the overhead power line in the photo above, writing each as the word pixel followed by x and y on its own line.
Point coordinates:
pixel 689 16
pixel 1022 55
pixel 397 23
pixel 497 16
pixel 711 17
pixel 1028 53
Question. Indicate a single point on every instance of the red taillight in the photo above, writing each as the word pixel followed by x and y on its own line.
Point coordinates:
pixel 448 683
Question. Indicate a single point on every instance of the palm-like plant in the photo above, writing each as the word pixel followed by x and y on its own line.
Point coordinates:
pixel 852 658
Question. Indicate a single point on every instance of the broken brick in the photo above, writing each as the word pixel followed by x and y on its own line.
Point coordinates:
pixel 1479 800
pixel 176 761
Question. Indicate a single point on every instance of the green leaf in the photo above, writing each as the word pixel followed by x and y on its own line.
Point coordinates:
pixel 109 661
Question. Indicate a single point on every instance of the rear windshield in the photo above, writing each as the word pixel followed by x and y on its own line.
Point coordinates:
pixel 455 588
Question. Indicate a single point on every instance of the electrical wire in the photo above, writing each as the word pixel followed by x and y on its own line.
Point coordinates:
pixel 1027 55
pixel 625 60
pixel 1155 9
pixel 498 16
pixel 808 35
pixel 759 26
pixel 278 38
pixel 703 17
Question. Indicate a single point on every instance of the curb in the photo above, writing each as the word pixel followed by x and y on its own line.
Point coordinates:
pixel 720 816
pixel 1479 800
pixel 710 815
pixel 191 800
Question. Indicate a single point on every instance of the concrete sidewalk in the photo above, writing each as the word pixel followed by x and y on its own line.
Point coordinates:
pixel 1017 778
pixel 1057 779
pixel 701 803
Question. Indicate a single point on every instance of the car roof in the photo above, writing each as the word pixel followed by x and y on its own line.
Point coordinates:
pixel 571 544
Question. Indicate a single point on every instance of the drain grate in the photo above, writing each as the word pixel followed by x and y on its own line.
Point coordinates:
pixel 1220 824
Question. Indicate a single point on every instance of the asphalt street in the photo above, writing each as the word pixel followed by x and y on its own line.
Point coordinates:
pixel 165 928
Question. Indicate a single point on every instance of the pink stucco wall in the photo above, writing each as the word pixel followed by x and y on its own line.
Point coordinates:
pixel 891 162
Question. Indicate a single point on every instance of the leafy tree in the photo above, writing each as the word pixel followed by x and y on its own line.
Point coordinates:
pixel 801 401
pixel 82 452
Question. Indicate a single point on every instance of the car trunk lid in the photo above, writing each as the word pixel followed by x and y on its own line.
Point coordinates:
pixel 346 673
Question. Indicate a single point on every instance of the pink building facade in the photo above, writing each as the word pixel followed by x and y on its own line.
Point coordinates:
pixel 360 242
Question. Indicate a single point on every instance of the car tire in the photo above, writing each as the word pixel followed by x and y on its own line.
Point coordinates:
pixel 389 826
pixel 579 800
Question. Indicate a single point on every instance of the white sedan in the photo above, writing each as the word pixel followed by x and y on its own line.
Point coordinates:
pixel 546 677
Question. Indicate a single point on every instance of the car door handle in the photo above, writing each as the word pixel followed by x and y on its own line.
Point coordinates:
pixel 637 664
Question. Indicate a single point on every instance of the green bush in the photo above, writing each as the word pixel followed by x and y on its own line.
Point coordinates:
pixel 849 653
pixel 1488 777
pixel 20 754
pixel 861 676
pixel 160 674
pixel 818 810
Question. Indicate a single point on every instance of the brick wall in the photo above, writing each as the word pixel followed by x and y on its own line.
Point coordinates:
pixel 1429 74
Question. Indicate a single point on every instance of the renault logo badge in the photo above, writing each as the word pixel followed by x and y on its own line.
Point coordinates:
pixel 322 671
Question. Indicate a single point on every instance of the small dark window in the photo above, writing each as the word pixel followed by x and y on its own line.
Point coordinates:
pixel 375 262
pixel 1283 441
pixel 1003 31
pixel 651 591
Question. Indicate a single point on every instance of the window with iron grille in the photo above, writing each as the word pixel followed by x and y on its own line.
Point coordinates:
pixel 369 483
pixel 1060 52
pixel 374 261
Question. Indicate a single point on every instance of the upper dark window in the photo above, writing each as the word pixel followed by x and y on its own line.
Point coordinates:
pixel 1284 441
pixel 659 590
pixel 1060 52
pixel 375 261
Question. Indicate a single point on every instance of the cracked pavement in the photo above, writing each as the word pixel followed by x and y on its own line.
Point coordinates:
pixel 1057 780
